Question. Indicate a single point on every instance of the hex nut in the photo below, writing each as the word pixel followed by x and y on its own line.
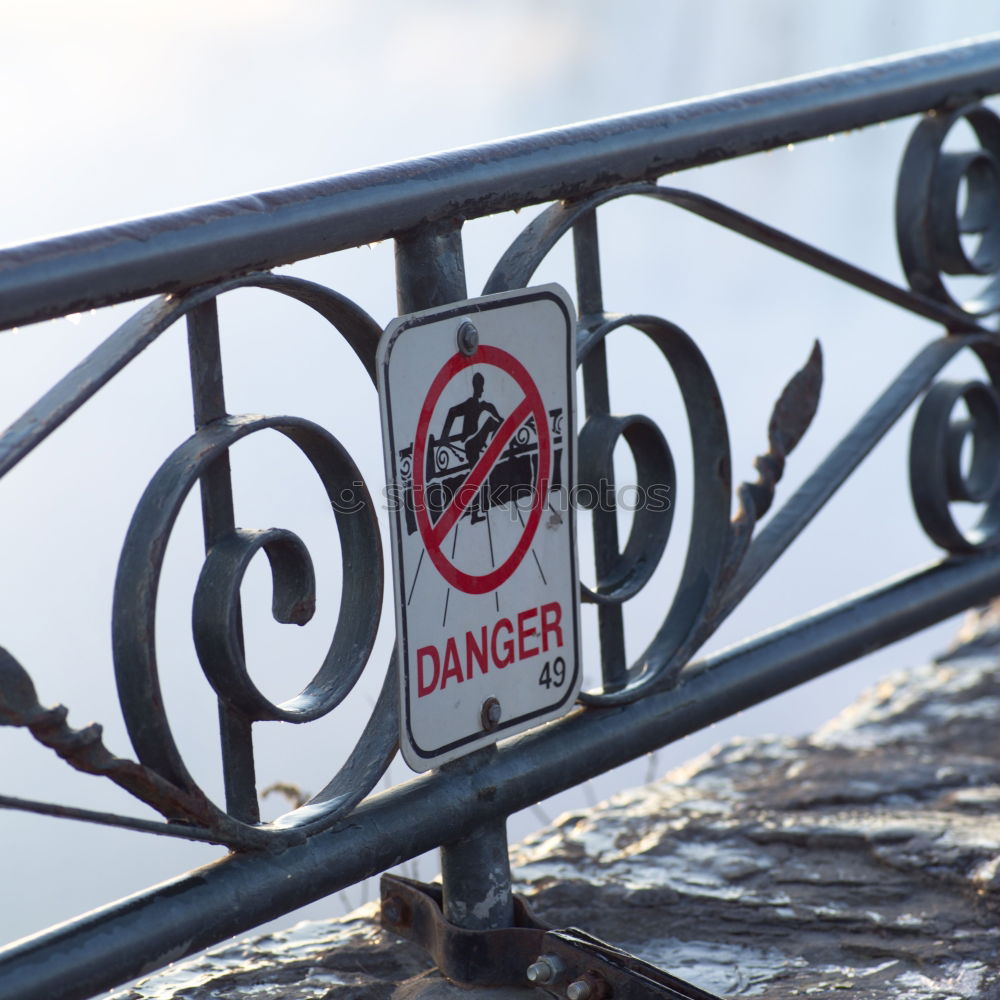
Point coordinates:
pixel 545 969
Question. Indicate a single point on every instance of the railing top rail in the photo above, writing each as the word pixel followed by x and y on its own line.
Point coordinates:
pixel 204 243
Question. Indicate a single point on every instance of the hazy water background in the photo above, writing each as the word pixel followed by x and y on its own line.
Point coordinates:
pixel 114 110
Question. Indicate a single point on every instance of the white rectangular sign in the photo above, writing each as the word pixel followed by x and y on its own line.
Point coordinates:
pixel 479 430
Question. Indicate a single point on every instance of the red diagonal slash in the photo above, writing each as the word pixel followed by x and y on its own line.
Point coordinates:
pixel 466 493
pixel 433 534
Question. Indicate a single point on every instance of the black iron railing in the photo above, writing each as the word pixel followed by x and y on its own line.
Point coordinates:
pixel 948 223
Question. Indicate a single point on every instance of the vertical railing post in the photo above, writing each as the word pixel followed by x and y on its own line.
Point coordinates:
pixel 597 403
pixel 475 871
pixel 219 521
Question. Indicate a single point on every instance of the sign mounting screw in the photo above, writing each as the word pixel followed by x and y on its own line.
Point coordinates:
pixel 468 338
pixel 491 714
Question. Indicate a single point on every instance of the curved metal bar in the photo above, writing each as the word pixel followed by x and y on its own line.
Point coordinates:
pixel 515 268
pixel 367 763
pixel 942 197
pixel 218 638
pixel 938 474
pixel 709 542
pixel 137 583
pixel 654 509
pixel 138 332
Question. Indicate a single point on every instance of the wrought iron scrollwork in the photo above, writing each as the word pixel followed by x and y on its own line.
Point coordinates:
pixel 948 222
pixel 216 622
pixel 632 568
pixel 955 458
pixel 629 570
pixel 948 225
pixel 948 208
pixel 160 777
pixel 717 545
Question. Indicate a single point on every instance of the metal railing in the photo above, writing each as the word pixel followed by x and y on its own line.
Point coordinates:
pixel 948 223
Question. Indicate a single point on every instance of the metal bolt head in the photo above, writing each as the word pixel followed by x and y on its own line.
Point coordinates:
pixel 392 910
pixel 539 972
pixel 545 969
pixel 468 338
pixel 491 714
pixel 578 990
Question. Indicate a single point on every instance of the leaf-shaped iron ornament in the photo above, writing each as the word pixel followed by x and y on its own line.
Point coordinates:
pixel 790 419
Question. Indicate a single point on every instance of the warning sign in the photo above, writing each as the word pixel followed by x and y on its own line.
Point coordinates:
pixel 477 413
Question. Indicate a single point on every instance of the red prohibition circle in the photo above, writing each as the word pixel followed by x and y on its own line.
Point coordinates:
pixel 433 535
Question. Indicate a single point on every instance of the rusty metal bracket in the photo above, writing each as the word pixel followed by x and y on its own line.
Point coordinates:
pixel 596 970
pixel 413 910
pixel 569 964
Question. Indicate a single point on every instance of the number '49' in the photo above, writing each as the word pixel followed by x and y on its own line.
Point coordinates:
pixel 554 674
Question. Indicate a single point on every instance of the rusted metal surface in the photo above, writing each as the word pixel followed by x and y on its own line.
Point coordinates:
pixel 568 964
pixel 497 957
pixel 85 750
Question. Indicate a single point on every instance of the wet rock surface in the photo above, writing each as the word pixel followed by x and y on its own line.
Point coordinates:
pixel 862 861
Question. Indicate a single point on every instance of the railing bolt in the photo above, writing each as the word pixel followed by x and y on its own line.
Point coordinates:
pixel 468 338
pixel 392 910
pixel 545 969
pixel 578 990
pixel 491 714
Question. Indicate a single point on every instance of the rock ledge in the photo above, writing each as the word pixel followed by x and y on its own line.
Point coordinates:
pixel 863 858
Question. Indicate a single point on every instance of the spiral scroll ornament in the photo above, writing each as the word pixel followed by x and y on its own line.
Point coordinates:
pixel 948 208
pixel 216 626
pixel 717 544
pixel 160 778
pixel 955 459
pixel 631 568
pixel 216 615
